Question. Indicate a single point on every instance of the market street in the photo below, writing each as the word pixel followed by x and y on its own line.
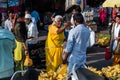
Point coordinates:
pixel 95 54
pixel 95 58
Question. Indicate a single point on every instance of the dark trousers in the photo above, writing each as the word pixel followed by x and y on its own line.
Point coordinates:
pixel 34 54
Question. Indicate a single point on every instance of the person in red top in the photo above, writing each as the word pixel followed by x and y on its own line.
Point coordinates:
pixel 114 12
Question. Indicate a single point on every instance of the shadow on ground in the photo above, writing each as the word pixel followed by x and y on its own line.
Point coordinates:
pixel 96 57
pixel 95 49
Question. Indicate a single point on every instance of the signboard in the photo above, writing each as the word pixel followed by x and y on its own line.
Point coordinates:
pixel 9 4
pixel 13 3
pixel 3 5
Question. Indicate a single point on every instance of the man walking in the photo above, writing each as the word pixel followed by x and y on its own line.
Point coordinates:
pixel 77 43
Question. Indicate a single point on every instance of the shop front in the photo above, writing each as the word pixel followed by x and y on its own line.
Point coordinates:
pixel 6 5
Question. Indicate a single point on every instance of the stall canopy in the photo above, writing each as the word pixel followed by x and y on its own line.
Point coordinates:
pixel 111 3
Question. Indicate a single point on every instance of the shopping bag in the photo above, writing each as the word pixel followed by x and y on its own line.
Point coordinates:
pixel 28 61
pixel 108 53
pixel 92 38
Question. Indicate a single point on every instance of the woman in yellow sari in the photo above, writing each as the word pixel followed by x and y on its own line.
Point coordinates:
pixel 53 46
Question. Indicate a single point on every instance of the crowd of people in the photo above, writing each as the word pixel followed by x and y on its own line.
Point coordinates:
pixel 19 35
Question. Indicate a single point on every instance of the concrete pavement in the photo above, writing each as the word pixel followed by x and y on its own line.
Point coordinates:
pixel 96 57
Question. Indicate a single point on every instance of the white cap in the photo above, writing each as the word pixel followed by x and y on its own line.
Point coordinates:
pixel 28 16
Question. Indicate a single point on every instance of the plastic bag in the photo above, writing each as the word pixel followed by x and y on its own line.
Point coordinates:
pixel 28 61
pixel 91 40
pixel 108 54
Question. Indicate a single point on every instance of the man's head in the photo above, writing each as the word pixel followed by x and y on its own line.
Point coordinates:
pixel 78 19
pixel 117 19
pixel 20 16
pixel 11 13
pixel 27 11
pixel 76 9
pixel 28 18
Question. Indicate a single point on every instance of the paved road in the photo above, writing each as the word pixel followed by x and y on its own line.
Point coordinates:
pixel 95 57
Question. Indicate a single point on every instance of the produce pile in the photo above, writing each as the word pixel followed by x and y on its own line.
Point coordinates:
pixel 103 39
pixel 112 72
pixel 60 74
pixel 99 72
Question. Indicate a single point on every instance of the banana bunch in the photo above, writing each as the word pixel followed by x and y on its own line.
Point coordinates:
pixel 112 72
pixel 60 74
pixel 95 70
pixel 103 39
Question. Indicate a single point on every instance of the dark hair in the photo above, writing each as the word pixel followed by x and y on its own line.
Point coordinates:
pixel 77 8
pixel 28 9
pixel 10 11
pixel 20 14
pixel 79 18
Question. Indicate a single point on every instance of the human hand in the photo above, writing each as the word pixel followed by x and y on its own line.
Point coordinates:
pixel 117 38
pixel 26 52
pixel 64 58
pixel 65 61
pixel 67 24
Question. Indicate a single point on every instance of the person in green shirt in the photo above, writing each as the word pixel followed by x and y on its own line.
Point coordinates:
pixel 20 33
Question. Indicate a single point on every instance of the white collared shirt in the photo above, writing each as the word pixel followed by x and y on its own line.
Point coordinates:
pixel 32 32
pixel 8 24
pixel 116 32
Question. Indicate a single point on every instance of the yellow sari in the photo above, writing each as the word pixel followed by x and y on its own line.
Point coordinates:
pixel 53 48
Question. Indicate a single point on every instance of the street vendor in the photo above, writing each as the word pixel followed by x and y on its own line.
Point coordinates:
pixel 115 38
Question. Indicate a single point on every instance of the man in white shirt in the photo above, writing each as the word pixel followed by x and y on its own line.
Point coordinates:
pixel 9 22
pixel 32 39
pixel 32 18
pixel 32 30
